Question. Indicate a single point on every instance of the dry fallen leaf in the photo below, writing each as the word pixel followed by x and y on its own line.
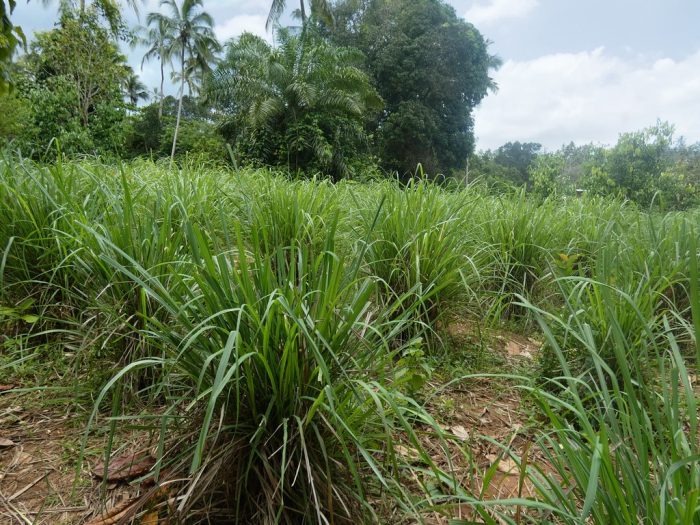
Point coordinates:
pixel 115 514
pixel 506 465
pixel 460 432
pixel 482 418
pixel 150 519
pixel 5 443
pixel 513 348
pixel 124 467
pixel 407 452
pixel 5 388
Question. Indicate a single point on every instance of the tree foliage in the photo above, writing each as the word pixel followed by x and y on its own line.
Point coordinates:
pixel 646 167
pixel 11 37
pixel 81 52
pixel 155 38
pixel 72 82
pixel 545 175
pixel 301 104
pixel 431 68
pixel 319 10
pixel 187 35
pixel 134 89
pixel 150 132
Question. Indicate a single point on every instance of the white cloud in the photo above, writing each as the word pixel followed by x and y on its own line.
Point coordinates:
pixel 490 11
pixel 234 26
pixel 589 97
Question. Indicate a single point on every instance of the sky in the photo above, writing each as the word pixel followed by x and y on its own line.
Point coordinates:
pixel 573 70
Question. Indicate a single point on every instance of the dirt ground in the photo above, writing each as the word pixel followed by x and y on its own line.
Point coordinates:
pixel 40 447
pixel 39 480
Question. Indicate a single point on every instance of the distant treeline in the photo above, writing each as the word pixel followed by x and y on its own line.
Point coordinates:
pixel 647 166
pixel 358 87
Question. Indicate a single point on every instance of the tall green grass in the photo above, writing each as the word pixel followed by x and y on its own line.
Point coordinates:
pixel 278 330
pixel 414 243
pixel 287 369
pixel 622 444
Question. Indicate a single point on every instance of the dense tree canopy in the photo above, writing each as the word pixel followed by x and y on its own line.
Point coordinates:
pixel 71 85
pixel 81 52
pixel 431 68
pixel 646 167
pixel 150 131
pixel 302 104
pixel 360 88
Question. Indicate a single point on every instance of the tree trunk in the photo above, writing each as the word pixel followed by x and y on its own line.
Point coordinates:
pixel 303 12
pixel 162 96
pixel 179 105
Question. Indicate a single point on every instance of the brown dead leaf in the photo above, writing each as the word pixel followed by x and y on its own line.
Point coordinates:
pixel 130 507
pixel 150 519
pixel 515 349
pixel 6 443
pixel 124 467
pixel 482 417
pixel 5 388
pixel 460 432
pixel 506 465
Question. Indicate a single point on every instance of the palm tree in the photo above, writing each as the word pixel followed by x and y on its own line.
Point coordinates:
pixel 134 89
pixel 111 10
pixel 305 98
pixel 190 37
pixel 155 36
pixel 320 9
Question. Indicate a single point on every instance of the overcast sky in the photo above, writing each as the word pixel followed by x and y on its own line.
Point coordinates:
pixel 573 70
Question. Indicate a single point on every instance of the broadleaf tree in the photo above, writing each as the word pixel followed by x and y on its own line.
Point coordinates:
pixel 431 68
pixel 73 78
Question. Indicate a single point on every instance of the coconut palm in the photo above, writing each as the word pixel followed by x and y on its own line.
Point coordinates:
pixel 303 102
pixel 197 66
pixel 189 37
pixel 155 38
pixel 320 9
pixel 111 10
pixel 134 89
